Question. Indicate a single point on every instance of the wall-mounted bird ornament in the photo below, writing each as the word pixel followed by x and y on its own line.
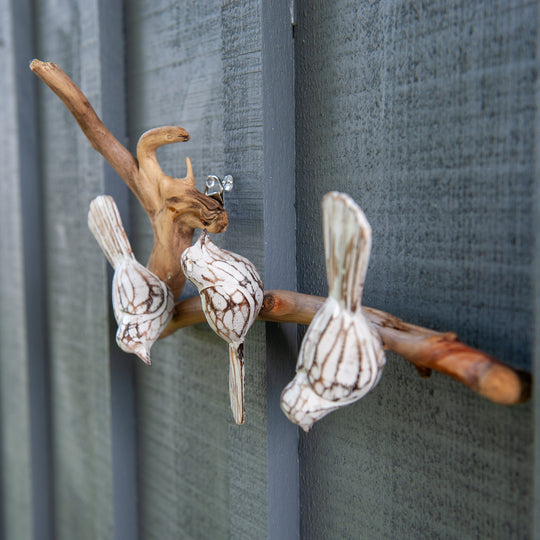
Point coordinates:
pixel 142 303
pixel 341 357
pixel 231 292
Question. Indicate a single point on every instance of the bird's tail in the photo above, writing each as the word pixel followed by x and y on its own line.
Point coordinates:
pixel 347 246
pixel 106 226
pixel 236 381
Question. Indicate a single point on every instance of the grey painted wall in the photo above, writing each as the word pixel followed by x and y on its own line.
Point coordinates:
pixel 198 65
pixel 424 112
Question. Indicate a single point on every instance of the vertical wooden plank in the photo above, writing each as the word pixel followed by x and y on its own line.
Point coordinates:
pixel 16 476
pixel 243 123
pixel 34 276
pixel 536 280
pixel 280 261
pixel 73 173
pixel 425 114
pixel 174 78
pixel 122 366
pixel 198 65
pixel 431 181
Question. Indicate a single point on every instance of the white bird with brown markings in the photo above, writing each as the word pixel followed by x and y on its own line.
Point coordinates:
pixel 231 292
pixel 142 303
pixel 341 358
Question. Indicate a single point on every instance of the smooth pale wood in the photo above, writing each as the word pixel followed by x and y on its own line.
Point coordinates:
pixel 174 206
pixel 428 349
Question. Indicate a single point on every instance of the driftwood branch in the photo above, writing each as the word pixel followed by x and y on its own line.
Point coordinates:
pixel 78 105
pixel 426 349
pixel 174 206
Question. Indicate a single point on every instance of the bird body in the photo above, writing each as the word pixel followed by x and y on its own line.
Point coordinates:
pixel 231 292
pixel 341 357
pixel 142 303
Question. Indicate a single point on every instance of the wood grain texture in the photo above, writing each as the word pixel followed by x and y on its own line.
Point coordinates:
pixel 15 442
pixel 280 261
pixel 418 459
pixel 191 64
pixel 174 206
pixel 427 349
pixel 72 174
pixel 425 115
pixel 121 366
pixel 536 278
pixel 432 127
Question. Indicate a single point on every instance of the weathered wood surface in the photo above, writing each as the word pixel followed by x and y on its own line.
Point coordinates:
pixel 427 349
pixel 16 491
pixel 280 261
pixel 175 208
pixel 198 65
pixel 426 116
pixel 78 312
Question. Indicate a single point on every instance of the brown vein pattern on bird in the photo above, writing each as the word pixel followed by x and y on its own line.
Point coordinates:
pixel 231 292
pixel 341 358
pixel 137 293
pixel 142 303
pixel 176 208
pixel 335 376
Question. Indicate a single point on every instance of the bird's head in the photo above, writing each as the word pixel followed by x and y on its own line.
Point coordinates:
pixel 196 262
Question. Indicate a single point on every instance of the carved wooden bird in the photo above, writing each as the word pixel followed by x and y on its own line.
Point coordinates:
pixel 231 293
pixel 341 357
pixel 142 303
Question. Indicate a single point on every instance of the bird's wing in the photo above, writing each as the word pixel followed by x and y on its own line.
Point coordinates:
pixel 340 354
pixel 138 291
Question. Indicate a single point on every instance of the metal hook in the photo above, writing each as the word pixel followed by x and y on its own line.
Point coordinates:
pixel 215 186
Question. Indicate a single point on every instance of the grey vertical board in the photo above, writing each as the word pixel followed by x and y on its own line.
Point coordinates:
pixel 418 459
pixel 426 116
pixel 15 453
pixel 426 112
pixel 536 278
pixel 280 261
pixel 198 65
pixel 122 366
pixel 78 313
pixel 243 156
pixel 34 276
